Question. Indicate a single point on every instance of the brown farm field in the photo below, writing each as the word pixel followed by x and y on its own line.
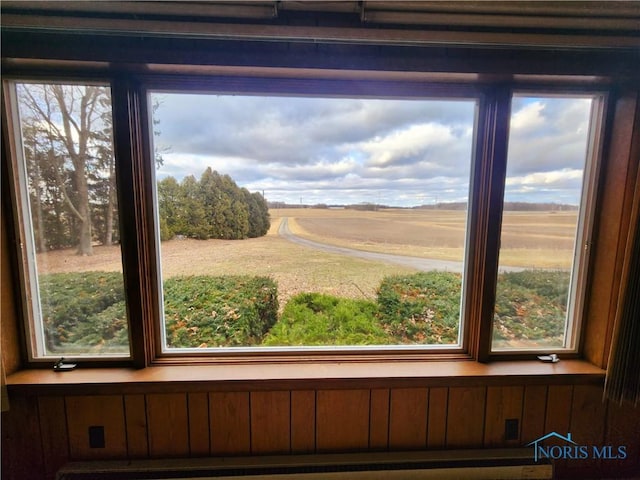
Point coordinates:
pixel 530 239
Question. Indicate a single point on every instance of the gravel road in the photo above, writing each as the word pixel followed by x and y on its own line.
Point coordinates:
pixel 423 264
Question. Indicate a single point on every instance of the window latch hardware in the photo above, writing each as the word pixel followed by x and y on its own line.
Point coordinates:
pixel 553 358
pixel 61 366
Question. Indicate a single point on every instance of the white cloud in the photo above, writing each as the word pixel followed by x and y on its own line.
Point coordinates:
pixel 558 177
pixel 340 150
pixel 411 143
pixel 528 117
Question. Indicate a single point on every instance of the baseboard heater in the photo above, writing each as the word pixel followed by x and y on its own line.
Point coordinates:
pixel 441 465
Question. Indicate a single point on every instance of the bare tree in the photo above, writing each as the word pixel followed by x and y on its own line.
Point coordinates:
pixel 79 136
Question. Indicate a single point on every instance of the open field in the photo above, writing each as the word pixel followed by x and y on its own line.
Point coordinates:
pixel 529 307
pixel 529 239
pixel 532 239
pixel 296 269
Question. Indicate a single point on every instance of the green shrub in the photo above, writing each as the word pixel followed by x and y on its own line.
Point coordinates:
pixel 531 305
pixel 204 311
pixel 552 285
pixel 422 308
pixel 317 319
pixel 84 312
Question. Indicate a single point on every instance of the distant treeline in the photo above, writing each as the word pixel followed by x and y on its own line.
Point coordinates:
pixel 356 206
pixel 212 207
pixel 509 206
pixel 540 207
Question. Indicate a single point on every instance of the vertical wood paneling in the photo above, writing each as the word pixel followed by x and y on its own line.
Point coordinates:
pixel 22 455
pixel 168 425
pixel 437 426
pixel 534 412
pixel 379 419
pixel 270 422
pixel 588 417
pixel 199 445
pixel 230 423
pixel 53 429
pixel 136 425
pixel 303 421
pixel 502 403
pixel 408 418
pixel 342 420
pixel 106 411
pixel 559 399
pixel 465 417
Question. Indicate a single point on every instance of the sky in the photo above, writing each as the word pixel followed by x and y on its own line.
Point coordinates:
pixel 356 150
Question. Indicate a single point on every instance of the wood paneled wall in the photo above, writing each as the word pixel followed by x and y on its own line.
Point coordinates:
pixel 41 433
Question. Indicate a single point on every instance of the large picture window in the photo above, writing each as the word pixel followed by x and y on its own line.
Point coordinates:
pixel 305 220
pixel 290 221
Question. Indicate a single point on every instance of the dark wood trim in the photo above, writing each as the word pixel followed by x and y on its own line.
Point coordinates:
pixel 546 7
pixel 491 160
pixel 147 239
pixel 293 86
pixel 324 34
pixel 510 20
pixel 135 52
pixel 496 13
pixel 138 238
pixel 47 68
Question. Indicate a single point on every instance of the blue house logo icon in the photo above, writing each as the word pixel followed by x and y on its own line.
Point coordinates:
pixel 569 449
pixel 546 451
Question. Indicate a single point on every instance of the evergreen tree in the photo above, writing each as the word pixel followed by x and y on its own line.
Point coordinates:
pixel 192 211
pixel 213 207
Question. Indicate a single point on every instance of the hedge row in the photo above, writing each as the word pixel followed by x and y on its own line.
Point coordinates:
pixel 86 312
pixel 218 311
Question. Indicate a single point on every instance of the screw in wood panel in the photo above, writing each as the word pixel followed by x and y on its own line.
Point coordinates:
pixel 96 436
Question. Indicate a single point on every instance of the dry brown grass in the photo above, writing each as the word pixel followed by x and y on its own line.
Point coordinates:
pixel 296 269
pixel 532 240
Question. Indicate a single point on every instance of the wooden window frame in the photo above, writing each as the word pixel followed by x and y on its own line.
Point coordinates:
pixel 33 326
pixel 337 88
pixel 132 150
pixel 585 230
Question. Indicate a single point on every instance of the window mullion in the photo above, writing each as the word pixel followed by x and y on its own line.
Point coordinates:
pixel 486 216
pixel 138 238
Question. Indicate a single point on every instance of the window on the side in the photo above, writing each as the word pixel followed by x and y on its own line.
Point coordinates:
pixel 66 186
pixel 290 221
pixel 545 222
